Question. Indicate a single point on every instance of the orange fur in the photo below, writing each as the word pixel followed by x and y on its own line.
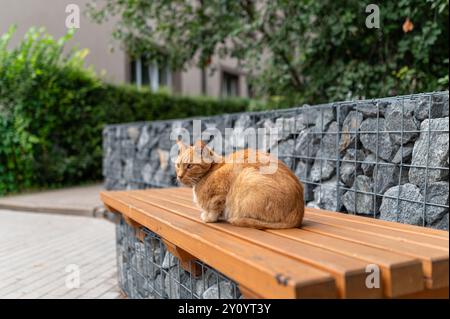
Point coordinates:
pixel 237 192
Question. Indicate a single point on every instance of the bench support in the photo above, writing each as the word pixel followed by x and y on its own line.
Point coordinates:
pixel 187 261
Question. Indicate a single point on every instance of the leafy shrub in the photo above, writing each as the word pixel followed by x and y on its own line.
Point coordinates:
pixel 53 110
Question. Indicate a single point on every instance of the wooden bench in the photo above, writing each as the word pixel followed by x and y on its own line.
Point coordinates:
pixel 327 257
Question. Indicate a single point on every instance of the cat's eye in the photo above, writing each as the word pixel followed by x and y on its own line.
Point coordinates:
pixel 188 166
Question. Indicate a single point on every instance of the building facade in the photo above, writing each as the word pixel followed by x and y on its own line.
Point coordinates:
pixel 110 59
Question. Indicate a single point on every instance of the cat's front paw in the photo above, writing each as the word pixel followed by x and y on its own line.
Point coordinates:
pixel 209 217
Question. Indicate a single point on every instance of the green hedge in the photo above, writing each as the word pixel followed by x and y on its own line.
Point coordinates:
pixel 52 111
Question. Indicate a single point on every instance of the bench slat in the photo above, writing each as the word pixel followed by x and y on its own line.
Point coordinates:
pixel 434 261
pixel 436 243
pixel 261 270
pixel 349 272
pixel 401 274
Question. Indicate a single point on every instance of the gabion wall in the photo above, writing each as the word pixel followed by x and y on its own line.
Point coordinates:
pixel 386 158
pixel 146 270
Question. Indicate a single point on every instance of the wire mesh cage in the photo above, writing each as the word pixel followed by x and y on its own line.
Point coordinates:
pixel 147 270
pixel 384 158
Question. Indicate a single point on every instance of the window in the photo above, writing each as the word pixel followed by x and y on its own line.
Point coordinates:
pixel 230 84
pixel 151 74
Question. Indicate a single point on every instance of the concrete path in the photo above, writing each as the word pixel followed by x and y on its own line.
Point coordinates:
pixel 83 200
pixel 56 256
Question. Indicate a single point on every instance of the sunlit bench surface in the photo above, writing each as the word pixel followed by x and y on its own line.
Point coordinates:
pixel 333 255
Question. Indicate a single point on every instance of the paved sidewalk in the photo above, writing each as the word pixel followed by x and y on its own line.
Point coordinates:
pixel 41 256
pixel 82 201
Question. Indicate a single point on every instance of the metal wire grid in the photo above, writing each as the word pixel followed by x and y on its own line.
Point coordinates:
pixel 377 196
pixel 340 109
pixel 146 270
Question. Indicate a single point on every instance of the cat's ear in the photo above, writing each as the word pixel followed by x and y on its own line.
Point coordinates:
pixel 202 148
pixel 181 146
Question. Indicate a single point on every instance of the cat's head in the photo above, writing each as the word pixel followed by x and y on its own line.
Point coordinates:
pixel 193 162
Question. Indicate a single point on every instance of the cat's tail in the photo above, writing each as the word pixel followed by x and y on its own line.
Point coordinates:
pixel 260 224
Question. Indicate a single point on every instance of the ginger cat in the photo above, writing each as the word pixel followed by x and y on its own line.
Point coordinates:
pixel 237 192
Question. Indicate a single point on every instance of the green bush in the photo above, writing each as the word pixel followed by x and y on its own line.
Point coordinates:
pixel 53 110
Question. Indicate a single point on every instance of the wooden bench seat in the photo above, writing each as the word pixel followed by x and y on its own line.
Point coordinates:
pixel 327 257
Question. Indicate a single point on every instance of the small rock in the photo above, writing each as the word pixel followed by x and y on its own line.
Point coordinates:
pixel 441 224
pixel 387 175
pixel 437 193
pixel 133 133
pixel 369 164
pixel 169 261
pixel 322 168
pixel 348 168
pixel 313 204
pixel 360 203
pixel 324 117
pixel 434 105
pixel 172 286
pixel 288 126
pixel 403 211
pixel 302 174
pixel 434 155
pixel 286 148
pixel 403 155
pixel 350 126
pixel 401 120
pixel 224 290
pixel 244 121
pixel 326 195
pixel 372 108
pixel 307 143
pixel 369 140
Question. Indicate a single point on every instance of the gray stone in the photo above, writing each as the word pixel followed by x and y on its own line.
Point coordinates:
pixel 288 126
pixel 313 204
pixel 302 172
pixel 437 193
pixel 169 261
pixel 387 175
pixel 324 117
pixel 147 173
pixel 144 138
pixel 369 164
pixel 172 286
pixel 436 105
pixel 403 210
pixel 401 120
pixel 350 127
pixel 307 143
pixel 128 172
pixel 133 133
pixel 403 155
pixel 434 154
pixel 326 195
pixel 127 148
pixel 224 290
pixel 441 224
pixel 350 167
pixel 369 139
pixel 286 148
pixel 372 108
pixel 244 121
pixel 323 168
pixel 360 203
pixel 158 284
